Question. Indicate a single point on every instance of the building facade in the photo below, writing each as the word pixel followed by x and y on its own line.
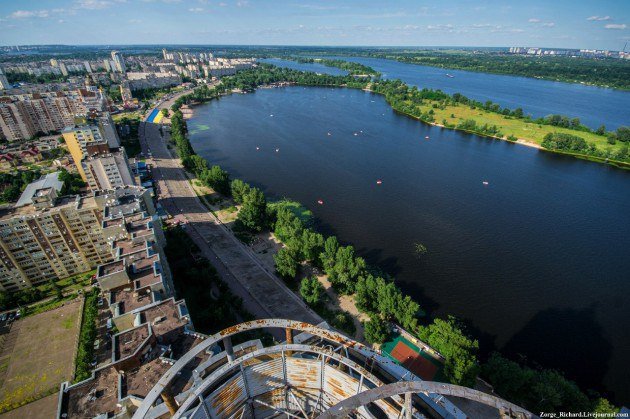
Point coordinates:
pixel 97 129
pixel 24 115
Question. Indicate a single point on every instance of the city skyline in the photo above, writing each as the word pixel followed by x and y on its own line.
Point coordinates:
pixel 561 24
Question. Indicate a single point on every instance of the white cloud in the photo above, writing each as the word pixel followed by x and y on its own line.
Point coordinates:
pixel 134 21
pixel 242 3
pixel 599 18
pixel 23 14
pixel 94 4
pixel 616 26
pixel 222 4
pixel 548 24
pixel 195 9
pixel 60 21
pixel 533 20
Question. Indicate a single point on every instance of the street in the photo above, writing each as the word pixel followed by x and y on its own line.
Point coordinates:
pixel 264 295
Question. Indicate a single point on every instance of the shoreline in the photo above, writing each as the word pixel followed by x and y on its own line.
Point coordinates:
pixel 520 141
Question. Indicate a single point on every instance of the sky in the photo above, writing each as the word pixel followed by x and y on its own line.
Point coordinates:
pixel 592 24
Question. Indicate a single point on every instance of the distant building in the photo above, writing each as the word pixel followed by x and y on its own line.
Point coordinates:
pixel 63 68
pixel 119 62
pixel 145 80
pixel 4 83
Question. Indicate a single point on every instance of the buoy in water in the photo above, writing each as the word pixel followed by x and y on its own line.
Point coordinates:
pixel 329 134
pixel 257 148
pixel 356 133
pixel 320 202
pixel 485 183
pixel 277 150
pixel 378 182
pixel 271 115
pixel 426 138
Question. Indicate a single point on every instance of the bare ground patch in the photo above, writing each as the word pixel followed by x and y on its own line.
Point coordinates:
pixel 38 355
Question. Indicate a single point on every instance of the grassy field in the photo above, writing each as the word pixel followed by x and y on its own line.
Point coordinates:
pixel 38 354
pixel 523 130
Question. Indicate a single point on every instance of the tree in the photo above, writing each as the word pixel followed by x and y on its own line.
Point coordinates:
pixel 312 290
pixel 448 338
pixel 165 112
pixel 253 213
pixel 346 269
pixel 217 178
pixel 239 189
pixel 312 244
pixel 601 405
pixel 57 289
pixel 601 130
pixel 286 262
pixel 327 257
pixel 376 330
pixel 195 164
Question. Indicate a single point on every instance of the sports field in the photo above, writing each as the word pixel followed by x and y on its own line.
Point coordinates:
pixel 38 354
pixel 413 358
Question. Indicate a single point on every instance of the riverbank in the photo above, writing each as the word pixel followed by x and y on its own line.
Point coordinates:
pixel 436 108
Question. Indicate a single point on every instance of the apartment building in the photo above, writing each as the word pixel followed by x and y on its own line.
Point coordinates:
pixel 4 83
pixel 106 168
pixel 89 130
pixel 48 237
pixel 24 115
pixel 145 80
pixel 118 62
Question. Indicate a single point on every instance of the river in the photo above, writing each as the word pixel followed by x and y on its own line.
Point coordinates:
pixel 593 105
pixel 537 260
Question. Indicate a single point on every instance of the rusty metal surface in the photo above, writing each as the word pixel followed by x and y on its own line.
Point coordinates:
pixel 345 407
pixel 265 381
pixel 170 375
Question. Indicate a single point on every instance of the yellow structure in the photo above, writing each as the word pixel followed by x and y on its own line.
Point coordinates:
pixel 89 131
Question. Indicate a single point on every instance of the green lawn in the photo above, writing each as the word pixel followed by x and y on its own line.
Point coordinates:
pixel 519 128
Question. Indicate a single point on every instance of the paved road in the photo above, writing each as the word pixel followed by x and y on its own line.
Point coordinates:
pixel 263 294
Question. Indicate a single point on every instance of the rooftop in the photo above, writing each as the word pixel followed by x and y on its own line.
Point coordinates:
pixel 95 397
pixel 128 342
pixel 129 300
pixel 51 180
pixel 140 380
pixel 110 268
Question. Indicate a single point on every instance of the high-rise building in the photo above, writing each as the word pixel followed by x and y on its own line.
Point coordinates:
pixel 106 64
pixel 86 131
pixel 23 116
pixel 88 66
pixel 48 237
pixel 119 62
pixel 63 68
pixel 4 83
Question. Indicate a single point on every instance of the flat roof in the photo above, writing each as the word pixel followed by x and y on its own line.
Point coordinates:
pixel 129 300
pixel 127 342
pixel 96 396
pixel 51 180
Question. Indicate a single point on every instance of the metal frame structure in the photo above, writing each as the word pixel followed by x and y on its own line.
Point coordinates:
pixel 408 388
pixel 331 401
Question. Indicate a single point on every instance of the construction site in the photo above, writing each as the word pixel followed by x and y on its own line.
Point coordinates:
pixel 315 372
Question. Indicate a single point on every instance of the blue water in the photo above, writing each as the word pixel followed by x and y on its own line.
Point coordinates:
pixel 315 67
pixel 537 261
pixel 593 105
